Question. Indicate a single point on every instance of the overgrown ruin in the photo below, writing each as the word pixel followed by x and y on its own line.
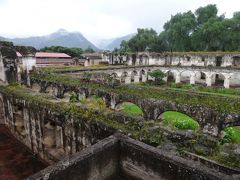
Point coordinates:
pixel 45 111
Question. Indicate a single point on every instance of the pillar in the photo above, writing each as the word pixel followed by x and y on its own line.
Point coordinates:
pixel 127 80
pixel 209 80
pixel 136 78
pixel 192 79
pixel 227 81
pixel 144 78
pixel 178 78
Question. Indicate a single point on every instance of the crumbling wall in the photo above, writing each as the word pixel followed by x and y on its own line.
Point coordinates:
pixel 50 134
pixel 8 62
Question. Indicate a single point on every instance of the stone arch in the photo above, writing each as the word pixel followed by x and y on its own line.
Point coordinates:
pixel 171 77
pixel 124 76
pixel 236 61
pixel 219 61
pixel 114 75
pixel 234 80
pixel 200 77
pixel 218 79
pixel 133 74
pixel 185 76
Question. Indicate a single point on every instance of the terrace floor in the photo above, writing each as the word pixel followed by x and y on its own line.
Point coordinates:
pixel 16 161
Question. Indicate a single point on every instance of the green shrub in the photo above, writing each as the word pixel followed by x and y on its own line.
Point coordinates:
pixel 232 135
pixel 179 120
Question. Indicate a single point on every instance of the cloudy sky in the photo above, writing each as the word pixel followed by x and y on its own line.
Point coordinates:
pixel 96 19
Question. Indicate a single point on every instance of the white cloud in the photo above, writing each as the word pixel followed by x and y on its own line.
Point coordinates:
pixel 95 18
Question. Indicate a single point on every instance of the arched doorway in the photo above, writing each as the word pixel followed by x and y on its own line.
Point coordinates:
pixel 133 74
pixel 123 77
pixel 170 77
pixel 185 77
pixel 218 80
pixel 200 78
pixel 218 61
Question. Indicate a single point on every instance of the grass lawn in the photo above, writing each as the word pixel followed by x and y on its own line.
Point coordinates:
pixel 131 109
pixel 206 90
pixel 232 135
pixel 179 120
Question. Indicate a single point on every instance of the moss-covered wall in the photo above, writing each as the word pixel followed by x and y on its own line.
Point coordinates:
pixel 212 113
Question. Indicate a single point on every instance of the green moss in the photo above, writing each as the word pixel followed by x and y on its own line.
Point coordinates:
pixel 207 90
pixel 232 135
pixel 131 109
pixel 220 103
pixel 179 120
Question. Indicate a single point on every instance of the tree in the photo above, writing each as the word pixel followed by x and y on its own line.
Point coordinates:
pixel 89 50
pixel 178 31
pixel 203 30
pixel 74 52
pixel 158 75
pixel 144 39
pixel 203 14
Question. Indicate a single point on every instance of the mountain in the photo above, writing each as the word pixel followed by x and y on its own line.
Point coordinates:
pixel 2 38
pixel 59 38
pixel 116 42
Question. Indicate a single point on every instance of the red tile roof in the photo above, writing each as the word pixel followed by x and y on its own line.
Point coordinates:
pixel 51 55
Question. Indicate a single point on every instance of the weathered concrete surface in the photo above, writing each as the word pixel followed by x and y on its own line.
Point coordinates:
pixel 16 161
pixel 132 159
pixel 8 62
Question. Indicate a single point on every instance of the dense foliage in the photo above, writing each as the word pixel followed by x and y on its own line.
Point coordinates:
pixel 74 52
pixel 158 75
pixel 203 30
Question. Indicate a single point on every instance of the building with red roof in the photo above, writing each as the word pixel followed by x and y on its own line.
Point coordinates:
pixel 50 58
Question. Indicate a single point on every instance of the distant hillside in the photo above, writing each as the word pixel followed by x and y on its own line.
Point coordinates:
pixel 116 42
pixel 59 38
pixel 2 38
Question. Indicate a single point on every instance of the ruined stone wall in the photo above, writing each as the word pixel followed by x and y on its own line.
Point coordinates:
pixel 181 59
pixel 46 132
pixel 8 62
pixel 211 121
pixel 119 156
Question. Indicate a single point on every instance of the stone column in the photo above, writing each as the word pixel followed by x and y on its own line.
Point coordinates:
pixel 144 78
pixel 136 78
pixel 178 78
pixel 192 79
pixel 227 81
pixel 209 79
pixel 127 80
